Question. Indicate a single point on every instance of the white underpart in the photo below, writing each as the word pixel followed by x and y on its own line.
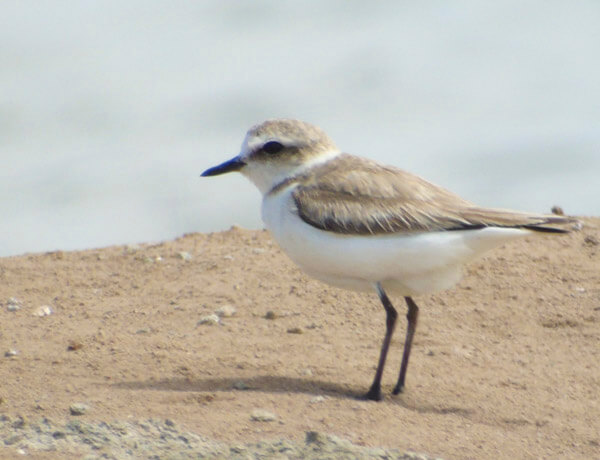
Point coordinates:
pixel 404 264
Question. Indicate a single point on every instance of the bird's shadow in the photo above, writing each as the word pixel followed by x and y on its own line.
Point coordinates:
pixel 260 383
pixel 279 384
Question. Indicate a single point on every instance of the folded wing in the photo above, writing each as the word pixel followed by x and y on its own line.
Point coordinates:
pixel 352 195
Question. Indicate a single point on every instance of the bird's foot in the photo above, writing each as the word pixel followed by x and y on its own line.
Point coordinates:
pixel 398 389
pixel 374 393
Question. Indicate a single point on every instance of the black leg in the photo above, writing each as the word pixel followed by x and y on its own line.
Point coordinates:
pixel 411 316
pixel 390 323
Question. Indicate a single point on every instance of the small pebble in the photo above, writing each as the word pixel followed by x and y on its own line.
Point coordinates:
pixel 19 422
pixel 74 345
pixel 132 248
pixel 557 210
pixel 10 440
pixel 10 353
pixel 591 240
pixel 270 315
pixel 184 255
pixel 78 408
pixel 208 320
pixel 13 304
pixel 315 437
pixel 44 310
pixel 295 330
pixel 317 399
pixel 56 255
pixel 240 385
pixel 226 311
pixel 261 415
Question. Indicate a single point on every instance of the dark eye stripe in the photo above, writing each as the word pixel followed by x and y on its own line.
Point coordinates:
pixel 272 147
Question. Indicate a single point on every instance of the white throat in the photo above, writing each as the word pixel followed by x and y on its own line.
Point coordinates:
pixel 267 175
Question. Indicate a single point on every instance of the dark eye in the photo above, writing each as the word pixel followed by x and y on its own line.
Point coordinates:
pixel 272 147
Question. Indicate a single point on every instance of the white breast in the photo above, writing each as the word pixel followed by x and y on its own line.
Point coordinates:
pixel 405 264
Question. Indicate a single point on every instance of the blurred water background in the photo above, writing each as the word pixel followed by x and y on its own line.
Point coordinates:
pixel 110 110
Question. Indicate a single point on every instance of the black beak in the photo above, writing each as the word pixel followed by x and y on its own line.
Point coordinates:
pixel 235 164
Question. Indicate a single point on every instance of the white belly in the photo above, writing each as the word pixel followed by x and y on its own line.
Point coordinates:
pixel 404 264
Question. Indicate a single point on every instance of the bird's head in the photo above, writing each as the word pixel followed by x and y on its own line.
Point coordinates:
pixel 277 149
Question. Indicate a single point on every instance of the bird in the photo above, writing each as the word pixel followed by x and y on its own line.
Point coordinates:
pixel 359 225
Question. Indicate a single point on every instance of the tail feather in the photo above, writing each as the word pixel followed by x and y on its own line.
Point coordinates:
pixel 512 219
pixel 553 224
pixel 542 229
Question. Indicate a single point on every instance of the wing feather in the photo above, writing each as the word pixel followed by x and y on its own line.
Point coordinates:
pixel 352 195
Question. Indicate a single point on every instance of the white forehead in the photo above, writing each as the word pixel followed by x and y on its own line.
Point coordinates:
pixel 253 140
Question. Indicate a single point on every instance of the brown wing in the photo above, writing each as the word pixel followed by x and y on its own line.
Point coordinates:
pixel 351 195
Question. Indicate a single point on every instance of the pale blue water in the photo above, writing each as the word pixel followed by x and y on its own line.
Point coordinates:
pixel 109 111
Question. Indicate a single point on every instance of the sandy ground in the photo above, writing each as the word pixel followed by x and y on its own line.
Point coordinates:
pixel 505 365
